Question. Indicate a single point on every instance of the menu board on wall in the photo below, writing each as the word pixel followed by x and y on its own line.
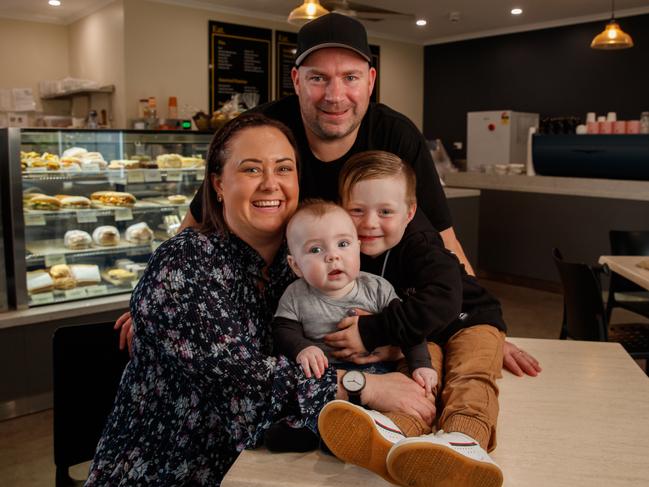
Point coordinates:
pixel 285 49
pixel 376 62
pixel 239 62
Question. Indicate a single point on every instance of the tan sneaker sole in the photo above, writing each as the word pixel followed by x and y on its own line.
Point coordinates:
pixel 352 436
pixel 431 465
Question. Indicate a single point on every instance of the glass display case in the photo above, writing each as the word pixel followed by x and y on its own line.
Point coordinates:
pixel 88 207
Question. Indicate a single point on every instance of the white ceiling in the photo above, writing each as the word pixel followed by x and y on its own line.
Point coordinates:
pixel 478 18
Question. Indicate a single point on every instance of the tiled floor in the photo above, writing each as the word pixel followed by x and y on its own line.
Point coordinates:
pixel 26 456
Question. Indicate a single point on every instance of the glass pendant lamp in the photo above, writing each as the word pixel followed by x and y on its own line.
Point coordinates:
pixel 309 10
pixel 612 37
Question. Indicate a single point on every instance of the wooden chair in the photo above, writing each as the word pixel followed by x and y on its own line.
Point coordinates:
pixel 87 366
pixel 584 315
pixel 623 293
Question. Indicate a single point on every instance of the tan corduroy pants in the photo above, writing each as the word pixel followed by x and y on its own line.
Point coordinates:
pixel 467 394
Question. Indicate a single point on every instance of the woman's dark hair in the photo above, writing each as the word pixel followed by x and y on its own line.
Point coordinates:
pixel 217 155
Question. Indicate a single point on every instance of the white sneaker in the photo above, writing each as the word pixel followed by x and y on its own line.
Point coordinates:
pixel 359 436
pixel 442 460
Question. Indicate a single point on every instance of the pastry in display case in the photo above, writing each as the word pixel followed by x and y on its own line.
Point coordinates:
pixel 89 207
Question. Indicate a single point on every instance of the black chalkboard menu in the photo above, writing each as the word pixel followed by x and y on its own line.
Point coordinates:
pixel 285 48
pixel 376 62
pixel 239 62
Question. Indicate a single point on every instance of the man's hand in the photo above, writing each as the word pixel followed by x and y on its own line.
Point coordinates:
pixel 396 392
pixel 312 359
pixel 348 340
pixel 519 362
pixel 125 326
pixel 426 378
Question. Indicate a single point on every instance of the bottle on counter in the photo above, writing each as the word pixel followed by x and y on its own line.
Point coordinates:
pixel 172 110
pixel 644 123
pixel 152 114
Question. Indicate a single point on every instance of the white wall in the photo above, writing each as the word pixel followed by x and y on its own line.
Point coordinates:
pixel 167 54
pixel 96 47
pixel 148 48
pixel 30 52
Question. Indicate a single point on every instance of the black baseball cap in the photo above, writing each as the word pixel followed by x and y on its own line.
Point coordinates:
pixel 332 30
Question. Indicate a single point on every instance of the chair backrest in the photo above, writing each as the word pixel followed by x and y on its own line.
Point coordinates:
pixel 87 369
pixel 627 243
pixel 584 313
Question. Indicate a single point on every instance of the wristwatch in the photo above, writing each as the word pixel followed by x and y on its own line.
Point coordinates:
pixel 354 382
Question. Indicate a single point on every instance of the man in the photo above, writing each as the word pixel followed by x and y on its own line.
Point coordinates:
pixel 332 118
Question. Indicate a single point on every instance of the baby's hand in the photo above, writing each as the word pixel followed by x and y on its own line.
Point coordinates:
pixel 312 359
pixel 426 378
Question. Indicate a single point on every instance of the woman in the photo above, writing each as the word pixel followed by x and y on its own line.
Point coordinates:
pixel 201 385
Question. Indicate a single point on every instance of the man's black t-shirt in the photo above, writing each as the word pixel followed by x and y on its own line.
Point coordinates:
pixel 381 129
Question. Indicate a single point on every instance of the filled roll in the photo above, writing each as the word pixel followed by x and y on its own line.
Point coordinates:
pixel 73 202
pixel 39 282
pixel 113 198
pixel 85 273
pixel 77 239
pixel 62 276
pixel 140 233
pixel 106 236
pixel 43 203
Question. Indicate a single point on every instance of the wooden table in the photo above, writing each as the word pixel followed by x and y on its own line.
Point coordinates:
pixel 625 265
pixel 584 421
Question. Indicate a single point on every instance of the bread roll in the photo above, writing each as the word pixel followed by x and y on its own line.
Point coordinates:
pixel 177 199
pixel 77 239
pixel 106 236
pixel 140 233
pixel 74 152
pixel 62 276
pixel 169 161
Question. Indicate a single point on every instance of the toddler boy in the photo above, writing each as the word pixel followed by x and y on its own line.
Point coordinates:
pixel 378 190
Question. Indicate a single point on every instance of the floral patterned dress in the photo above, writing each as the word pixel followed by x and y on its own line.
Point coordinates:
pixel 201 385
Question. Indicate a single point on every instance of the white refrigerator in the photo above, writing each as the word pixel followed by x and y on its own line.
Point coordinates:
pixel 498 137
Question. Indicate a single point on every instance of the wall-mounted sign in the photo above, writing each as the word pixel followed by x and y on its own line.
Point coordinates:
pixel 239 62
pixel 285 49
pixel 376 62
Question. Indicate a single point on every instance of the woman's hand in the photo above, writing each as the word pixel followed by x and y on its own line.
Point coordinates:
pixel 396 392
pixel 519 362
pixel 348 340
pixel 125 326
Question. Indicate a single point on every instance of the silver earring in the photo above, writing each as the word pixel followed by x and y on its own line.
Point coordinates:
pixel 219 198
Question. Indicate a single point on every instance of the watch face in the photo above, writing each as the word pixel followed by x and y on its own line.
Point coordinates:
pixel 353 381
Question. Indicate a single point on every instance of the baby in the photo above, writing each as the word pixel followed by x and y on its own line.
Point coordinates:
pixel 325 255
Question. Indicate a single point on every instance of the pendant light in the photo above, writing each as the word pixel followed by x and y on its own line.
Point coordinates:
pixel 612 37
pixel 309 10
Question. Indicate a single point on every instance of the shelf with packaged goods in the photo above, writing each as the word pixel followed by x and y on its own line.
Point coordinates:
pixel 117 176
pixel 78 293
pixel 35 218
pixel 52 252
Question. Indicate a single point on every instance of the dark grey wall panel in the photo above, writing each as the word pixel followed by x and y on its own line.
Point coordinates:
pixel 465 213
pixel 550 71
pixel 518 230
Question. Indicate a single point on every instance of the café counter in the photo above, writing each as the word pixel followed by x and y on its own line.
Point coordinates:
pixel 521 218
